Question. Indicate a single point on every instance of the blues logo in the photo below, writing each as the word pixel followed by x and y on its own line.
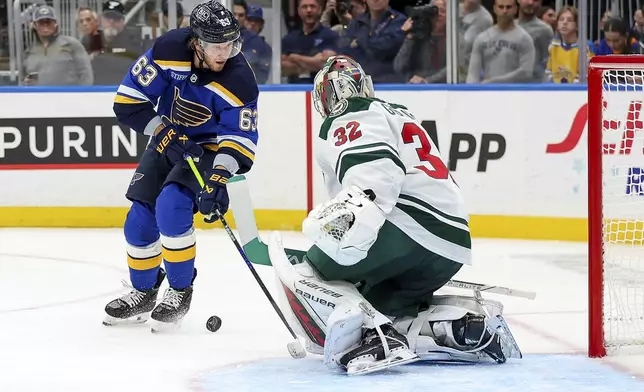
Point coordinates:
pixel 187 113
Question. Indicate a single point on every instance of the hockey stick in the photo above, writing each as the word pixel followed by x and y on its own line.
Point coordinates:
pixel 257 251
pixel 459 284
pixel 295 347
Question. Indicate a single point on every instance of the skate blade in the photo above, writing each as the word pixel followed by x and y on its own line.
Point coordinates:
pixel 110 321
pixel 162 327
pixel 400 357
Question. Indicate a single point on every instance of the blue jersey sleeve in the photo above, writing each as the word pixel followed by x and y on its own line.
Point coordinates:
pixel 237 134
pixel 139 92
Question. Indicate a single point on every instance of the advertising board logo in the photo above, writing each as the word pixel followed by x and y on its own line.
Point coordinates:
pixel 463 146
pixel 68 143
pixel 626 132
pixel 629 126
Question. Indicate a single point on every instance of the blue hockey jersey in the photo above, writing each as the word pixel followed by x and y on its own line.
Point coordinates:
pixel 218 109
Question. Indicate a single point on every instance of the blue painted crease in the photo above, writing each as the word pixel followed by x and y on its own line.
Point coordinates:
pixel 534 373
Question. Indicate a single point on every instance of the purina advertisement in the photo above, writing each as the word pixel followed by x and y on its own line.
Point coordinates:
pixel 518 156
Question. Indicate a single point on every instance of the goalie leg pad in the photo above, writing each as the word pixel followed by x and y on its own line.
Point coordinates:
pixel 345 227
pixel 327 314
pixel 462 329
pixel 344 331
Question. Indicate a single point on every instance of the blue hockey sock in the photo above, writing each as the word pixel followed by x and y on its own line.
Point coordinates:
pixel 174 212
pixel 143 246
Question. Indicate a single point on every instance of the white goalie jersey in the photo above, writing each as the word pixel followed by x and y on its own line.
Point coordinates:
pixel 381 146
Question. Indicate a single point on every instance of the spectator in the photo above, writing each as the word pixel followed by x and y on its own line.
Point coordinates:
pixel 344 11
pixel 541 34
pixel 88 25
pixel 617 39
pixel 563 62
pixel 605 16
pixel 421 58
pixel 638 25
pixel 182 21
pixel 255 19
pixel 474 19
pixel 257 52
pixel 548 16
pixel 305 51
pixel 122 45
pixel 54 59
pixel 374 39
pixel 504 53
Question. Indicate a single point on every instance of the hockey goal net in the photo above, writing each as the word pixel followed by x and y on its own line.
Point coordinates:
pixel 616 205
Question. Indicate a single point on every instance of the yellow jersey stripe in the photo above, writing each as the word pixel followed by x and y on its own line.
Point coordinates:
pixel 171 63
pixel 179 255
pixel 127 100
pixel 237 147
pixel 144 264
pixel 227 93
pixel 211 147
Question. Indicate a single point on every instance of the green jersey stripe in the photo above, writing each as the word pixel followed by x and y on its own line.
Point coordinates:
pixel 436 227
pixel 347 161
pixel 434 209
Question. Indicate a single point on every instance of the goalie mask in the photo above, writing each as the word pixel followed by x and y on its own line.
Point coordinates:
pixel 339 79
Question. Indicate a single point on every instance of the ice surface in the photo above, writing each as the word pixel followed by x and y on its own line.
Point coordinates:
pixel 56 282
pixel 534 373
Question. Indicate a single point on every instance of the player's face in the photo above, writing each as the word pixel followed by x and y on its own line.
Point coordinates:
pixel 216 55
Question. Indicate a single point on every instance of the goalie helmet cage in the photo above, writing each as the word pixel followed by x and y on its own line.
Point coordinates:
pixel 615 205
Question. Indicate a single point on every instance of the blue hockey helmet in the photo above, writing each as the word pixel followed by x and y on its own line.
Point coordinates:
pixel 216 29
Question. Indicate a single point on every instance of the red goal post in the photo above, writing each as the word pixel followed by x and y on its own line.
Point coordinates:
pixel 615 205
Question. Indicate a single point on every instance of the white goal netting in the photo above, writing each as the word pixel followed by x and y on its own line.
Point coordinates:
pixel 623 208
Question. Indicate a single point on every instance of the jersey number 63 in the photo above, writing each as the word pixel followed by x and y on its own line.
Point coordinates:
pixel 248 120
pixel 144 72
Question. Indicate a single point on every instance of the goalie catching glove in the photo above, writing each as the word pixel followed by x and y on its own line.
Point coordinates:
pixel 214 195
pixel 345 227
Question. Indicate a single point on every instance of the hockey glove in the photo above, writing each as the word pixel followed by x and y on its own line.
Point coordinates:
pixel 214 195
pixel 175 145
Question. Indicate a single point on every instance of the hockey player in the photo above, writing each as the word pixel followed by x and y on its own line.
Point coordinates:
pixel 395 231
pixel 207 107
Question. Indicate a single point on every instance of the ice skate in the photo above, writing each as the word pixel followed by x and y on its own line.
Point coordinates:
pixel 472 331
pixel 169 313
pixel 134 307
pixel 372 355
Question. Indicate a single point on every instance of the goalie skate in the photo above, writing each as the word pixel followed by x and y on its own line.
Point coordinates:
pixel 372 355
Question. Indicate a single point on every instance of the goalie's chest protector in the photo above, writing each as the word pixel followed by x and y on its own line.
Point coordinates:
pixel 430 207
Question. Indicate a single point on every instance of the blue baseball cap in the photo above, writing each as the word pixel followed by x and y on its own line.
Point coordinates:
pixel 255 12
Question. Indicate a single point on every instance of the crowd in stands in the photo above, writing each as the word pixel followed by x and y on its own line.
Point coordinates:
pixel 514 41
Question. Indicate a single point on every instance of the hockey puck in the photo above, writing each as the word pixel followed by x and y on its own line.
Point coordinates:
pixel 213 324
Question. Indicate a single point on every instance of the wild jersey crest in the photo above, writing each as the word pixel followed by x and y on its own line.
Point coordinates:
pixel 188 113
